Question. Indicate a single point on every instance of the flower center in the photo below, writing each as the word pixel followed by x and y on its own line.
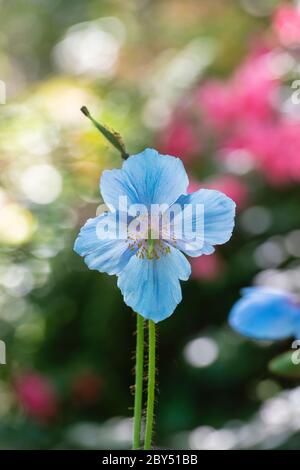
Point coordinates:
pixel 146 239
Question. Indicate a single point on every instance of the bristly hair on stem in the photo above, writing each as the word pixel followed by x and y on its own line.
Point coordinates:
pixel 151 385
pixel 112 136
pixel 138 395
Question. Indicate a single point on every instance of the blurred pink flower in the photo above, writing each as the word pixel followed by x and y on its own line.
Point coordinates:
pixel 179 139
pixel 230 185
pixel 206 267
pixel 216 102
pixel 193 186
pixel 275 148
pixel 37 396
pixel 286 24
pixel 247 96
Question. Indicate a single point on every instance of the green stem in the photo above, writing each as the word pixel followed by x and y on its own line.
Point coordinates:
pixel 139 370
pixel 151 387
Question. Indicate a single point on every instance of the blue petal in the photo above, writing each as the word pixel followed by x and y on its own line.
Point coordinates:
pixel 152 287
pixel 219 213
pixel 264 313
pixel 104 255
pixel 146 178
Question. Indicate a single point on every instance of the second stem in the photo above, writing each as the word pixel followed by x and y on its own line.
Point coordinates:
pixel 151 386
pixel 139 370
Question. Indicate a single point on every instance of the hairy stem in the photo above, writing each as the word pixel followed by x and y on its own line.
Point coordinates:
pixel 151 387
pixel 139 371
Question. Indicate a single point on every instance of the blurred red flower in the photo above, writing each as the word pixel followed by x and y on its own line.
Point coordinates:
pixel 37 396
pixel 86 388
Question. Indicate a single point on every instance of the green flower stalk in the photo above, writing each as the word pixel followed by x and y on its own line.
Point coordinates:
pixel 139 379
pixel 151 385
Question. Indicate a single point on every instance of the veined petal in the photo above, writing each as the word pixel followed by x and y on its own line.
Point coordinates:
pixel 264 313
pixel 109 253
pixel 146 178
pixel 217 216
pixel 152 287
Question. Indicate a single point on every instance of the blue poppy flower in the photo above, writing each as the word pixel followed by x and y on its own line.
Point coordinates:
pixel 266 314
pixel 149 268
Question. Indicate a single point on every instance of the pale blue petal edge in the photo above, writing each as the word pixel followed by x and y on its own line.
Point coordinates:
pixel 219 214
pixel 110 256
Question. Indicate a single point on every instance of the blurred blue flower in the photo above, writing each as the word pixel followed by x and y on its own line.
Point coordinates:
pixel 149 268
pixel 266 314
